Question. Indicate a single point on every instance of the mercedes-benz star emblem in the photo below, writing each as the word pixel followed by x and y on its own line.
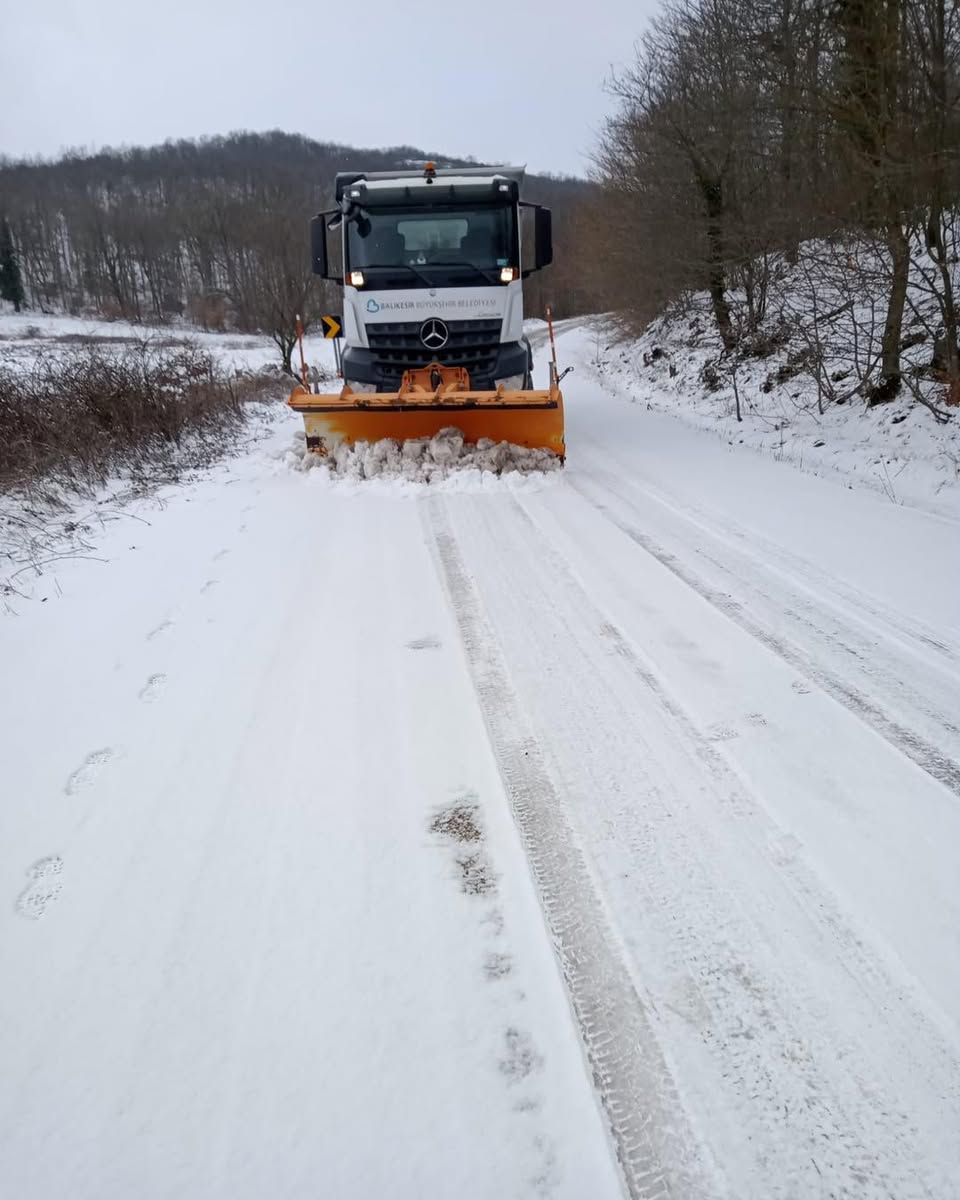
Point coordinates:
pixel 434 334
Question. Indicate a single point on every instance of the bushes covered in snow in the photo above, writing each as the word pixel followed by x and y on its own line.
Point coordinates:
pixel 80 415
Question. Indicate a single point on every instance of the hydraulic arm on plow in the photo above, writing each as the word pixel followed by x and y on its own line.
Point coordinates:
pixel 432 270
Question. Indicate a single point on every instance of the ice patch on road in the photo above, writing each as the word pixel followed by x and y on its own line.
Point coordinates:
pixel 445 461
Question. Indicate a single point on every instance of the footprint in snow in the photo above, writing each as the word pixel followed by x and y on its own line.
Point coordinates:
pixel 211 583
pixel 721 733
pixel 44 887
pixel 547 1178
pixel 785 849
pixel 800 687
pixel 493 922
pixel 757 719
pixel 88 770
pixel 160 629
pixel 521 1057
pixel 152 688
pixel 220 554
pixel 430 642
pixel 497 966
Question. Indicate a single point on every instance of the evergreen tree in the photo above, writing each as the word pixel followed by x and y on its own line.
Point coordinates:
pixel 11 282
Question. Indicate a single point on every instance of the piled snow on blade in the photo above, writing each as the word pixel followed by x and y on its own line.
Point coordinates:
pixel 425 460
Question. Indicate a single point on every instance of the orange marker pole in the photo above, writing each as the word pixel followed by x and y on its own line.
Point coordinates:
pixel 553 350
pixel 303 364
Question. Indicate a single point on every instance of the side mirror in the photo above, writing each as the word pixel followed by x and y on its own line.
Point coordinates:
pixel 537 234
pixel 319 259
pixel 544 233
pixel 318 245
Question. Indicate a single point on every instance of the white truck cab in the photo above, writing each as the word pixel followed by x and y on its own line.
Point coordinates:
pixel 431 265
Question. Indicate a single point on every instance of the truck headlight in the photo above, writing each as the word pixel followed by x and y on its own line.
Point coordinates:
pixel 512 383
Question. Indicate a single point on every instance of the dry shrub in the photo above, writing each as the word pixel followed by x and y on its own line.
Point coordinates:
pixel 79 416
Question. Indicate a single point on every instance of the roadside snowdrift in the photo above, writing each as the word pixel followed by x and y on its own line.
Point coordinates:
pixel 898 448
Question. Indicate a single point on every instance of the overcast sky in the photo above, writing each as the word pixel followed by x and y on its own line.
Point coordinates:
pixel 503 81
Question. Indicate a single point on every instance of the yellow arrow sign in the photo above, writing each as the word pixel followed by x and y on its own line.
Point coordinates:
pixel 332 326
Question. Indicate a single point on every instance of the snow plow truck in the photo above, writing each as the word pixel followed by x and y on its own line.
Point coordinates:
pixel 431 264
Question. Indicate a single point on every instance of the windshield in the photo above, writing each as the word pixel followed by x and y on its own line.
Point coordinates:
pixel 404 247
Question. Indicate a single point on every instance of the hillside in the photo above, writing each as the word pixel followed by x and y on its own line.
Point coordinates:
pixel 213 230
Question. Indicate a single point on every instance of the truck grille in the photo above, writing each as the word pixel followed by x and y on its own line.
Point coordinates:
pixel 397 348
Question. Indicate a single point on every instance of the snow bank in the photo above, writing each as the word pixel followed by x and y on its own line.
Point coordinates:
pixel 445 459
pixel 896 449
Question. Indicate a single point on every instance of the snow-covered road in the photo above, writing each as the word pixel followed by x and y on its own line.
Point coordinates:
pixel 584 836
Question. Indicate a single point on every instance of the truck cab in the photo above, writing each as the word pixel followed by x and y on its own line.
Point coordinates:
pixel 432 262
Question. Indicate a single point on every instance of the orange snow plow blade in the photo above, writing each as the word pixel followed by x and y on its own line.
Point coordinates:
pixel 430 399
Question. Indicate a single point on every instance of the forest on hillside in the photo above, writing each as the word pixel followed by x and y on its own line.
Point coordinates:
pixel 214 230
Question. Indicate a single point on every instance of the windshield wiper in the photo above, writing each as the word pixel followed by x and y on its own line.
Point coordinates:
pixel 483 272
pixel 401 267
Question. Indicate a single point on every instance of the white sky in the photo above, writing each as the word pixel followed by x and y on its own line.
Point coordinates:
pixel 504 81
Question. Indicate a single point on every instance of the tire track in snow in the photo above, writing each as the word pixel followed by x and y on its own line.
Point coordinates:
pixel 783 849
pixel 804 1085
pixel 809 587
pixel 800 574
pixel 915 746
pixel 658 1152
